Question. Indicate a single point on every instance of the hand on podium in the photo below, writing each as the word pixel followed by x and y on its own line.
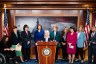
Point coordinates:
pixel 28 42
pixel 41 41
pixel 35 43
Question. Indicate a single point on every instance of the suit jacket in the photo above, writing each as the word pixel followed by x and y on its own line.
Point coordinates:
pixel 15 39
pixel 81 39
pixel 73 40
pixel 38 36
pixel 92 39
pixel 49 39
pixel 64 40
pixel 57 37
pixel 3 46
pixel 7 53
pixel 25 38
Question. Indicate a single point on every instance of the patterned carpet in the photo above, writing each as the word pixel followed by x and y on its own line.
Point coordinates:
pixel 58 62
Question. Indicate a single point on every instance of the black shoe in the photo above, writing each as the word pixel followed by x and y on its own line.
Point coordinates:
pixel 69 62
pixel 26 60
pixel 29 60
pixel 36 60
pixel 16 62
pixel 72 62
pixel 56 60
pixel 76 60
pixel 63 59
pixel 21 62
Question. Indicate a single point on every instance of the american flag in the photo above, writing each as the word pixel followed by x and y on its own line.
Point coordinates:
pixel 5 31
pixel 87 27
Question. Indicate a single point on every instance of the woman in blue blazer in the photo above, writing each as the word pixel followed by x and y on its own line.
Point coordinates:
pixel 38 36
pixel 81 38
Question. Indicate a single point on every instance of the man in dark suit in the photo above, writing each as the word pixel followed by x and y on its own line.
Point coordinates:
pixel 55 36
pixel 92 46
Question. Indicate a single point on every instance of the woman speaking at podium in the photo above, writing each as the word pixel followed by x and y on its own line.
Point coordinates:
pixel 46 36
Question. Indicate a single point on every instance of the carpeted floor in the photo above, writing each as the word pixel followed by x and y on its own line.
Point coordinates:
pixel 58 62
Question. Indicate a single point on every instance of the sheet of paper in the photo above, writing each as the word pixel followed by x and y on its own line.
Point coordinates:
pixel 18 48
pixel 71 46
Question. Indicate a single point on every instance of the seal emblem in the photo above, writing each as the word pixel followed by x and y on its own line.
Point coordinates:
pixel 46 51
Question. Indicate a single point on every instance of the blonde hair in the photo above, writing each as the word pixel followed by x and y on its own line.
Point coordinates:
pixel 93 26
pixel 81 27
pixel 66 27
pixel 55 26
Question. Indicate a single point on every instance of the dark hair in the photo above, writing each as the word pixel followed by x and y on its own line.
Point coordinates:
pixel 62 32
pixel 25 26
pixel 40 26
pixel 73 28
pixel 14 27
pixel 4 38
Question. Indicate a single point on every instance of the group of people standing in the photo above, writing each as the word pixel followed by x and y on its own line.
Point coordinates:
pixel 69 40
pixel 15 38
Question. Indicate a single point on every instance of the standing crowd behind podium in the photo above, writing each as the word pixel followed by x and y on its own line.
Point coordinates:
pixel 69 40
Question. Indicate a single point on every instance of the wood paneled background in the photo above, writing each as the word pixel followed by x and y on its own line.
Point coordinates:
pixel 81 14
pixel 77 13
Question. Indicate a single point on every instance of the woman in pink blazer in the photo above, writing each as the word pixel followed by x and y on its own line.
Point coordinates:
pixel 71 44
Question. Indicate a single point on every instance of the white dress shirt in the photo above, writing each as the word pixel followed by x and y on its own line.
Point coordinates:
pixel 78 34
pixel 46 39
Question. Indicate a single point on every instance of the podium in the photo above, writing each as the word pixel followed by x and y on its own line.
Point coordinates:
pixel 46 52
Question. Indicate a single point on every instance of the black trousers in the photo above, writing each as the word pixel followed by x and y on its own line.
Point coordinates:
pixel 26 53
pixel 92 52
pixel 64 51
pixel 79 51
pixel 36 52
pixel 56 56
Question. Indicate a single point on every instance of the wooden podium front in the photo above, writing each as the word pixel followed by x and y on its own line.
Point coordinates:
pixel 46 52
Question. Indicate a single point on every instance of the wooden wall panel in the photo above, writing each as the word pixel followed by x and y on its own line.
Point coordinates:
pixel 1 24
pixel 11 17
pixel 94 18
pixel 65 13
pixel 13 13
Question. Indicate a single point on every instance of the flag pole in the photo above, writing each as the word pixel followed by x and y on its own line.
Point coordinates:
pixel 87 27
pixel 3 20
pixel 5 25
